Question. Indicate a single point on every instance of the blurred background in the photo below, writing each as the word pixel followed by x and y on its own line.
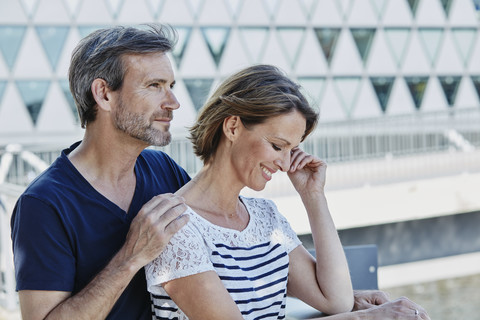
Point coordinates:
pixel 396 82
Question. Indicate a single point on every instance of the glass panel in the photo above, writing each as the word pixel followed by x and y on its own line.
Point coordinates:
pixel 397 39
pixel 292 42
pixel 216 38
pixel 347 91
pixel 446 4
pixel 431 39
pixel 179 50
pixel 464 39
pixel 114 6
pixel 30 6
pixel 53 39
pixel 379 6
pixel 476 83
pixel 312 88
pixel 327 37
pixel 413 6
pixel 416 86
pixel 195 6
pixel 72 6
pixel 3 84
pixel 11 38
pixel 233 7
pixel 363 39
pixel 450 86
pixel 68 95
pixel 383 87
pixel 198 90
pixel 271 7
pixel 155 6
pixel 33 94
pixel 255 40
pixel 86 30
pixel 308 6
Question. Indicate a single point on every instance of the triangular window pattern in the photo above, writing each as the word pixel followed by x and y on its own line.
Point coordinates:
pixel 379 7
pixel 308 7
pixel 11 38
pixel 291 39
pixel 33 94
pixel 347 91
pixel 383 88
pixel 416 86
pixel 464 39
pixel 271 7
pixel 312 88
pixel 53 39
pixel 3 84
pixel 234 7
pixel 450 86
pixel 431 39
pixel 476 82
pixel 328 37
pixel 397 39
pixel 363 39
pixel 114 6
pixel 30 6
pixel 183 38
pixel 68 96
pixel 254 39
pixel 413 6
pixel 198 90
pixel 156 7
pixel 446 4
pixel 86 30
pixel 216 38
pixel 195 7
pixel 72 7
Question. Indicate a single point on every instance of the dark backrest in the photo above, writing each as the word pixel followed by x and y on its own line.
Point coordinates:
pixel 363 264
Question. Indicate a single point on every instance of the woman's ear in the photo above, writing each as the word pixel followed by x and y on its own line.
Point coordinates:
pixel 101 94
pixel 231 126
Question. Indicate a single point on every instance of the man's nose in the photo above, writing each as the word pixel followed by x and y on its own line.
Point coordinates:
pixel 171 101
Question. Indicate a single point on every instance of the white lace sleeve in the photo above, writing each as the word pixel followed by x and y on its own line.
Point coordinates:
pixel 288 236
pixel 185 254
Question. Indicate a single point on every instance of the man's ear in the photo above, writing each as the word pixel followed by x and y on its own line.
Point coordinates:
pixel 101 93
pixel 231 126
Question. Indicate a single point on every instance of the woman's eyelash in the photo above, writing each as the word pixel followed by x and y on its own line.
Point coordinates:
pixel 275 147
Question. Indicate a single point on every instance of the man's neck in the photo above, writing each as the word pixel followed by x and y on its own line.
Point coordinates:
pixel 108 165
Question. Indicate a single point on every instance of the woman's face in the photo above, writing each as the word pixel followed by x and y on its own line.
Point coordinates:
pixel 263 149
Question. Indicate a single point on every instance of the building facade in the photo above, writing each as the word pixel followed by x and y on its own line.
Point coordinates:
pixel 356 59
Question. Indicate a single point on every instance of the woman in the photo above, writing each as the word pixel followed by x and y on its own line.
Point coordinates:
pixel 238 258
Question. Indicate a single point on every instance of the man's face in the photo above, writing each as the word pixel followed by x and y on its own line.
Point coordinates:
pixel 146 101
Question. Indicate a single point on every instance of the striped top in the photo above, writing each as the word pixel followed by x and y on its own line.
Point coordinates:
pixel 252 263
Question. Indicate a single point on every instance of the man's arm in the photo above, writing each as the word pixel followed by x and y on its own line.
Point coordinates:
pixel 149 233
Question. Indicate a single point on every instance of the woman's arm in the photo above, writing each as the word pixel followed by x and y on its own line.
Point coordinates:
pixel 203 296
pixel 323 283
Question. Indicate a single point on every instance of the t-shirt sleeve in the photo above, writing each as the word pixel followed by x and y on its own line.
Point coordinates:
pixel 186 254
pixel 284 232
pixel 43 256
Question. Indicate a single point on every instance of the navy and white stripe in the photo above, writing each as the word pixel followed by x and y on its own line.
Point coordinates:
pixel 252 264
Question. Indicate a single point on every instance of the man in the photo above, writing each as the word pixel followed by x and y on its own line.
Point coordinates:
pixel 79 244
pixel 84 229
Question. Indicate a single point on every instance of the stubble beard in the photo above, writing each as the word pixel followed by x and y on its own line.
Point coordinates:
pixel 136 126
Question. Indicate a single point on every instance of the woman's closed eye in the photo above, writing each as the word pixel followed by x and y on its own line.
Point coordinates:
pixel 275 147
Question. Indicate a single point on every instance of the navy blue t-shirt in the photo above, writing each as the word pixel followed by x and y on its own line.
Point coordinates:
pixel 64 231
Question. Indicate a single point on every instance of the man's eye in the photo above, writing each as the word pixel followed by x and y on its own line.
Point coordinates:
pixel 154 85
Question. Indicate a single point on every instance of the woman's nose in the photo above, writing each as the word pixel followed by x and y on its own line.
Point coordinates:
pixel 283 163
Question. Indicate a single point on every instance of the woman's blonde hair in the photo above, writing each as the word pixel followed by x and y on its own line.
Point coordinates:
pixel 255 94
